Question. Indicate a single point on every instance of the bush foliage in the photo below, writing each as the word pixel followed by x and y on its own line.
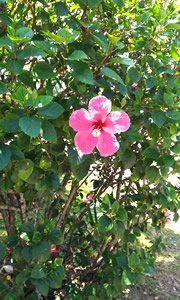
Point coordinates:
pixel 55 56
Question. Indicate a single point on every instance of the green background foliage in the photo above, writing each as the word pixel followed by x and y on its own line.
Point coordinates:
pixel 54 57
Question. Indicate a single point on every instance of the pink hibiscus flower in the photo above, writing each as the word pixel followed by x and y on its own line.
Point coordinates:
pixel 97 125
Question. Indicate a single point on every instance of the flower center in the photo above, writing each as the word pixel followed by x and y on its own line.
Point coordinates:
pixel 96 132
pixel 97 129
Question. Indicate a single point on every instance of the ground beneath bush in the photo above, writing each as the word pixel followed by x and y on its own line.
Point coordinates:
pixel 165 284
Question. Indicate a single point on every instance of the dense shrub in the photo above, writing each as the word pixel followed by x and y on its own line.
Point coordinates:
pixel 71 224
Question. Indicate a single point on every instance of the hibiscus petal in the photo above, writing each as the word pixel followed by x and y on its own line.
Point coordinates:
pixel 117 121
pixel 99 107
pixel 85 142
pixel 80 120
pixel 107 144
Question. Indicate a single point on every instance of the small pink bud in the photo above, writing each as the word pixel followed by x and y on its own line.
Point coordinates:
pixel 167 214
pixel 54 249
pixel 134 85
pixel 88 199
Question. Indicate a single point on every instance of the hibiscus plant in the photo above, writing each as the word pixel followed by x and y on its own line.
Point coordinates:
pixel 88 144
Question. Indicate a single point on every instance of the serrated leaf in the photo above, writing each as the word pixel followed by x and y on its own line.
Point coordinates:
pixel 61 9
pixel 159 118
pixel 83 73
pixel 42 286
pixel 56 236
pixel 152 174
pixel 173 114
pixel 121 214
pixel 27 253
pixel 30 51
pixel 123 60
pixel 151 152
pixel 25 33
pixel 105 224
pixel 10 123
pixel 30 126
pixel 49 132
pixel 38 272
pixel 51 111
pixel 111 74
pixel 41 251
pixel 78 55
pixel 42 101
pixel 44 70
pixel 22 34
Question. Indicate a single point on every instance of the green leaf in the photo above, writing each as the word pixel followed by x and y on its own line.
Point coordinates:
pixel 2 250
pixel 54 281
pixel 8 297
pixel 134 75
pixel 80 165
pixel 133 260
pixel 159 118
pixel 42 101
pixel 22 34
pixel 38 272
pixel 55 37
pixel 151 152
pixel 69 35
pixel 175 53
pixel 119 230
pixel 24 168
pixel 44 70
pixel 78 55
pixel 41 251
pixel 5 157
pixel 119 2
pixel 56 236
pixel 22 277
pixel 30 126
pixel 125 281
pixel 82 73
pixel 30 51
pixel 16 153
pixel 168 98
pixel 105 224
pixel 152 173
pixel 42 286
pixel 94 3
pixel 121 214
pixel 123 60
pixel 176 149
pixel 173 114
pixel 115 207
pixel 133 135
pixel 3 88
pixel 151 82
pixel 14 67
pixel 27 253
pixel 21 94
pixel 10 123
pixel 49 132
pixel 60 9
pixel 111 74
pixel 28 228
pixel 51 111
